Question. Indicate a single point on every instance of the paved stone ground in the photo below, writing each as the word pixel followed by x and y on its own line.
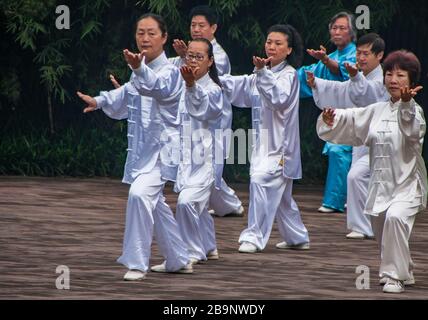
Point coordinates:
pixel 46 222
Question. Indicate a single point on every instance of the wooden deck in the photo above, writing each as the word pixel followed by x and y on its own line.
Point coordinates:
pixel 47 222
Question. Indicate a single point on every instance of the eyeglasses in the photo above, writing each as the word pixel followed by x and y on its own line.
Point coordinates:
pixel 197 57
pixel 341 28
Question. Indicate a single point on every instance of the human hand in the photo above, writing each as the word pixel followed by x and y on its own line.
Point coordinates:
pixel 180 47
pixel 91 102
pixel 114 81
pixel 133 59
pixel 310 79
pixel 189 75
pixel 407 93
pixel 260 63
pixel 352 69
pixel 328 116
pixel 318 54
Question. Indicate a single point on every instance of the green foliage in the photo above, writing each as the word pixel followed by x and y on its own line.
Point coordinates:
pixel 43 66
pixel 89 152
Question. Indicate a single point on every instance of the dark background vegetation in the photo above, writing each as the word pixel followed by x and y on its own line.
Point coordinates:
pixel 43 131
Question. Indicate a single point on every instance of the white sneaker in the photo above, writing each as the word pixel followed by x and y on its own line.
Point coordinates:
pixel 194 261
pixel 408 282
pixel 247 247
pixel 300 246
pixel 213 255
pixel 355 235
pixel 134 275
pixel 326 210
pixel 239 211
pixel 162 268
pixel 393 286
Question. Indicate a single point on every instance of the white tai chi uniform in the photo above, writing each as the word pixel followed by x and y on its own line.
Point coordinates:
pixel 360 91
pixel 150 103
pixel 398 181
pixel 273 95
pixel 223 200
pixel 199 173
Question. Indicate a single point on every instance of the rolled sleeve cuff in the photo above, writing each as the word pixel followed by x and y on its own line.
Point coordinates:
pixel 101 101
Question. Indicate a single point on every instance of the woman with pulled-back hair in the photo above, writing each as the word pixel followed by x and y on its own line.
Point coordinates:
pixel 150 103
pixel 202 110
pixel 394 131
pixel 272 92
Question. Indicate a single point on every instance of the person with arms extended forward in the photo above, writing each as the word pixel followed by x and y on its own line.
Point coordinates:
pixel 150 102
pixel 204 23
pixel 272 93
pixel 394 131
pixel 199 172
pixel 332 67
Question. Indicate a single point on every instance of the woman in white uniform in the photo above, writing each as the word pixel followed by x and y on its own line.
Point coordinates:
pixel 394 132
pixel 150 102
pixel 272 92
pixel 201 166
pixel 204 23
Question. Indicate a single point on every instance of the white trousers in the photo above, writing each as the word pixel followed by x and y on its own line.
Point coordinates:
pixel 146 214
pixel 224 201
pixel 195 223
pixel 358 183
pixel 270 198
pixel 392 230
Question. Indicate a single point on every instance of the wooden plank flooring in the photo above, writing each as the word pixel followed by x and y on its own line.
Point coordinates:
pixel 47 222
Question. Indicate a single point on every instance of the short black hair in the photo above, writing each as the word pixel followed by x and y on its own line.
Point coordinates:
pixel 209 13
pixel 404 60
pixel 378 45
pixel 294 41
pixel 159 19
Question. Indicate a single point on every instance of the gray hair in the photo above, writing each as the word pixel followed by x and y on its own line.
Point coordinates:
pixel 351 23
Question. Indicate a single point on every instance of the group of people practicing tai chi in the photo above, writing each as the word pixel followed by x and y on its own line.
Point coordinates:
pixel 175 108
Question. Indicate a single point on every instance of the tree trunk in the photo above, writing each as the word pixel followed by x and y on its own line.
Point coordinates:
pixel 50 110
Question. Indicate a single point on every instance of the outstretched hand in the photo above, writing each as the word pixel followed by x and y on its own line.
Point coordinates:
pixel 407 94
pixel 133 59
pixel 352 69
pixel 310 79
pixel 318 54
pixel 189 75
pixel 180 47
pixel 260 63
pixel 91 102
pixel 114 81
pixel 328 116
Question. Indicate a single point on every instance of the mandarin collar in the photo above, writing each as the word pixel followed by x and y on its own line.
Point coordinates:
pixel 158 62
pixel 204 81
pixel 279 67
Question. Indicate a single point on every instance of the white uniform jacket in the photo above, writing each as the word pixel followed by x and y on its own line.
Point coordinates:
pixel 359 91
pixel 150 102
pixel 201 112
pixel 394 132
pixel 273 96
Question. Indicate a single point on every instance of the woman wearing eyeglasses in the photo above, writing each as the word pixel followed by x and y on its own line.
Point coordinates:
pixel 272 92
pixel 200 171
